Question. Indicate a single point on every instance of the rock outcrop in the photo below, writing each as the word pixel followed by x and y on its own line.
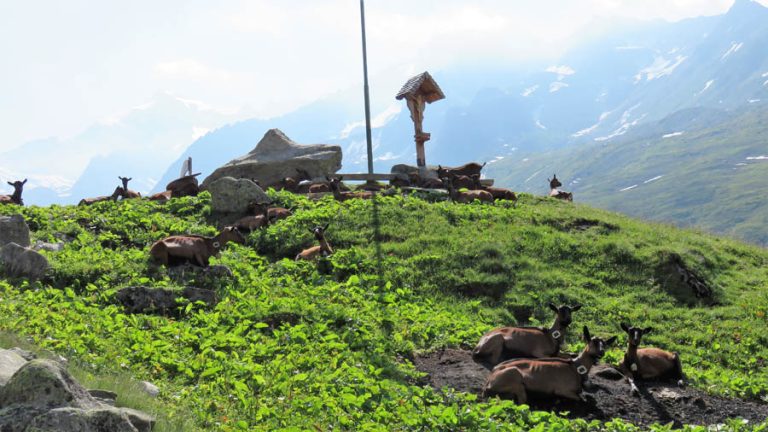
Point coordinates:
pixel 21 262
pixel 162 301
pixel 233 196
pixel 13 229
pixel 42 396
pixel 276 157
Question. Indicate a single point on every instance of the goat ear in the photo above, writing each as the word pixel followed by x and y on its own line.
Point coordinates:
pixel 587 337
pixel 625 327
pixel 341 178
pixel 611 340
pixel 575 308
pixel 647 330
pixel 312 230
pixel 24 182
pixel 10 183
pixel 553 307
pixel 326 226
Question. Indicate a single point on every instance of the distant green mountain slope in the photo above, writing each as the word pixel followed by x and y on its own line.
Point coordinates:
pixel 698 167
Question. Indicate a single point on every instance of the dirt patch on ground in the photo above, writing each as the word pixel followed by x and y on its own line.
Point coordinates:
pixel 610 398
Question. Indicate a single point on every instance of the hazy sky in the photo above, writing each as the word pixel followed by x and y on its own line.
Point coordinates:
pixel 67 64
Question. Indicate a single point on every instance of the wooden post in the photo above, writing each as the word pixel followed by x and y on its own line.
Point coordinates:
pixel 418 92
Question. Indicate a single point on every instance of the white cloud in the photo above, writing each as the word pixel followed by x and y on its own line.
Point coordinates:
pixel 561 71
pixel 557 86
pixel 191 69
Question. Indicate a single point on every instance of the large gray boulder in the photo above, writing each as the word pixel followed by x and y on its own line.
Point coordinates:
pixel 231 195
pixel 13 229
pixel 276 157
pixel 21 262
pixel 10 362
pixel 140 299
pixel 43 396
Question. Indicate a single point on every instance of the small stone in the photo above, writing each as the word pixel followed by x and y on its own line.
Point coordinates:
pixel 150 388
pixel 50 247
pixel 104 396
pixel 666 393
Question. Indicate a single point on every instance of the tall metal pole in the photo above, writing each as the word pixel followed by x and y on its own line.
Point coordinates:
pixel 367 96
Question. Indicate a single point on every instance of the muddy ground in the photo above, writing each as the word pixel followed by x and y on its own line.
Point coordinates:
pixel 658 402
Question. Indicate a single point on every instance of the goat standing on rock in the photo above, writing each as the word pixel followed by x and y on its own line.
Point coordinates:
pixel 15 198
pixel 193 248
pixel 548 376
pixel 648 363
pixel 525 341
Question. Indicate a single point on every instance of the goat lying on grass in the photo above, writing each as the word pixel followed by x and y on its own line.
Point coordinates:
pixel 323 250
pixel 88 201
pixel 549 376
pixel 195 249
pixel 468 196
pixel 259 219
pixel 648 363
pixel 15 198
pixel 555 193
pixel 127 193
pixel 335 184
pixel 525 341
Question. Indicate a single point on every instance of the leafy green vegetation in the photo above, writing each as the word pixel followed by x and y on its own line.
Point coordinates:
pixel 291 348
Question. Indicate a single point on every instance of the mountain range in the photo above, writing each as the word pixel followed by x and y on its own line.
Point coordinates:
pixel 595 115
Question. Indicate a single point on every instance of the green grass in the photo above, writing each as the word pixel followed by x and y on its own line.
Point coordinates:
pixel 289 348
pixel 707 181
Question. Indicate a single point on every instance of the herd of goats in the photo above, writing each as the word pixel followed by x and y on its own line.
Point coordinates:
pixel 522 359
pixel 537 366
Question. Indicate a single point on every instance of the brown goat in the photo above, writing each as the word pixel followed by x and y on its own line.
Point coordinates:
pixel 127 193
pixel 498 193
pixel 323 250
pixel 193 248
pixel 161 196
pixel 468 196
pixel 525 341
pixel 88 201
pixel 399 182
pixel 255 221
pixel 555 193
pixel 286 183
pixel 648 363
pixel 426 182
pixel 319 188
pixel 335 184
pixel 547 376
pixel 15 197
pixel 468 169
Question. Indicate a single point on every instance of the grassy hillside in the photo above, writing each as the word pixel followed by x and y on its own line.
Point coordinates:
pixel 288 348
pixel 699 178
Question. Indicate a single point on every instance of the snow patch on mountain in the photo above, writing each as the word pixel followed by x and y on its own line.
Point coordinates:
pixel 627 188
pixel 592 128
pixel 706 86
pixel 753 101
pixel 540 126
pixel 765 75
pixel 653 179
pixel 625 124
pixel 379 121
pixel 529 91
pixel 660 67
pixel 757 158
pixel 735 47
pixel 673 134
